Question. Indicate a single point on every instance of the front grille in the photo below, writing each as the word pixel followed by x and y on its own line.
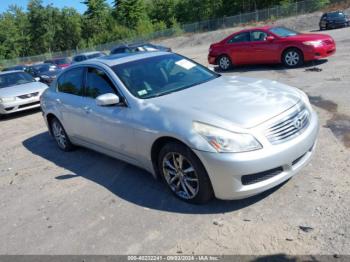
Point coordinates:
pixel 259 177
pixel 26 96
pixel 30 104
pixel 289 127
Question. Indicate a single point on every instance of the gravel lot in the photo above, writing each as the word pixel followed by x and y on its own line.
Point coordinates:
pixel 86 203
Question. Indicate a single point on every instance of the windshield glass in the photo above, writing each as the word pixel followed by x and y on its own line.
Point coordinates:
pixel 62 61
pixel 14 79
pixel 44 68
pixel 283 32
pixel 95 55
pixel 161 75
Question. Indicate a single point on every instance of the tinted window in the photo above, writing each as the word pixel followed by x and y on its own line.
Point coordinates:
pixel 95 55
pixel 78 58
pixel 13 79
pixel 71 82
pixel 257 36
pixel 243 37
pixel 336 15
pixel 97 83
pixel 161 75
pixel 62 61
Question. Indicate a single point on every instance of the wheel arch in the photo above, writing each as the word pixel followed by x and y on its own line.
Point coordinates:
pixel 157 146
pixel 289 48
pixel 49 118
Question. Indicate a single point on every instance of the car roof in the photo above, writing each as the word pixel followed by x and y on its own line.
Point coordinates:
pixel 117 59
pixel 10 72
pixel 267 27
pixel 88 53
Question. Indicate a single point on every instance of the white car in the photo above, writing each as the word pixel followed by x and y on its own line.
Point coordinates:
pixel 19 91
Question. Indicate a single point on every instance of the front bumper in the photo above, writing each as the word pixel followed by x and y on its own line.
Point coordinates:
pixel 314 53
pixel 212 60
pixel 19 105
pixel 227 170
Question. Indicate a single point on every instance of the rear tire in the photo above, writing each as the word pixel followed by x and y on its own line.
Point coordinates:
pixel 224 63
pixel 292 57
pixel 184 174
pixel 60 135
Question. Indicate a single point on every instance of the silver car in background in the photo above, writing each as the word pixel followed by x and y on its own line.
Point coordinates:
pixel 19 91
pixel 205 134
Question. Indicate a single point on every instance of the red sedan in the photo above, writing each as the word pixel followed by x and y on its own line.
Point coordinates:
pixel 270 45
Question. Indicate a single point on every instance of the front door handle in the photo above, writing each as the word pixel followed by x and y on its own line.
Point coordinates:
pixel 87 109
pixel 58 101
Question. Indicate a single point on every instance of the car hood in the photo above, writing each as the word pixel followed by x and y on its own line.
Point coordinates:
pixel 309 37
pixel 51 73
pixel 18 90
pixel 242 101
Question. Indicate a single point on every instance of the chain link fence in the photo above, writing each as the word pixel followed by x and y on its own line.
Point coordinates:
pixel 272 13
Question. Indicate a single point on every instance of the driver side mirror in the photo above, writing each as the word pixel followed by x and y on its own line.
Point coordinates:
pixel 270 38
pixel 37 79
pixel 107 100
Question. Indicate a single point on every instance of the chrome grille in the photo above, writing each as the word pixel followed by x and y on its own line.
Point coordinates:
pixel 28 95
pixel 289 127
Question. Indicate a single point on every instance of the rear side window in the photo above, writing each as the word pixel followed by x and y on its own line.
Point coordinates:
pixel 98 83
pixel 243 37
pixel 71 82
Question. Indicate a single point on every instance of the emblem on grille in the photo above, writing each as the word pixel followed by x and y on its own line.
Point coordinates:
pixel 298 123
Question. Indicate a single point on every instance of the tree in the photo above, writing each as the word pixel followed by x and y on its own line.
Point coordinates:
pixel 130 12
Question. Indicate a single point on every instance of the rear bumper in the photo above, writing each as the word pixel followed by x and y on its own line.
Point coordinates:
pixel 241 175
pixel 314 53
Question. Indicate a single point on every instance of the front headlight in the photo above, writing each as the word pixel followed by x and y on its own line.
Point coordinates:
pixel 7 99
pixel 225 141
pixel 313 43
pixel 305 99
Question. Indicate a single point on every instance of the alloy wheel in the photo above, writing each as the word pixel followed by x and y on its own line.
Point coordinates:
pixel 180 175
pixel 292 58
pixel 224 63
pixel 59 134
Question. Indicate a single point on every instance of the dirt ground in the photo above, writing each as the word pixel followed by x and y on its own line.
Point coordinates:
pixel 86 203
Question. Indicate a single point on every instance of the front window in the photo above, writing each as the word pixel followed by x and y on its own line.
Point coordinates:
pixel 13 79
pixel 283 31
pixel 161 75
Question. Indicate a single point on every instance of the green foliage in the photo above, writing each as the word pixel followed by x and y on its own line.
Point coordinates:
pixel 46 29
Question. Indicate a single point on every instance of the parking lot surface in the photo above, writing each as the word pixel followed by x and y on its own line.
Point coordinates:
pixel 83 202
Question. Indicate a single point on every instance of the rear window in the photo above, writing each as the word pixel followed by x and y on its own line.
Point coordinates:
pixel 283 31
pixel 336 15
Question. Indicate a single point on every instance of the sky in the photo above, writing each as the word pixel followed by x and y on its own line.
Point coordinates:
pixel 57 3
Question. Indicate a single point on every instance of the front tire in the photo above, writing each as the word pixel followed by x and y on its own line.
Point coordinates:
pixel 184 174
pixel 224 63
pixel 292 57
pixel 60 136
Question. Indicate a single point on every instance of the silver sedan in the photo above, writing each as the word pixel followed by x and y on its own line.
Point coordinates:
pixel 205 134
pixel 19 91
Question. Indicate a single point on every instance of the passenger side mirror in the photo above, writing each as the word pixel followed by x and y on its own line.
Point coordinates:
pixel 270 38
pixel 107 100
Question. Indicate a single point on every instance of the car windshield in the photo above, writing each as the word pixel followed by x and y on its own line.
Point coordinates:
pixel 336 15
pixel 62 61
pixel 283 32
pixel 95 55
pixel 44 68
pixel 161 75
pixel 13 79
